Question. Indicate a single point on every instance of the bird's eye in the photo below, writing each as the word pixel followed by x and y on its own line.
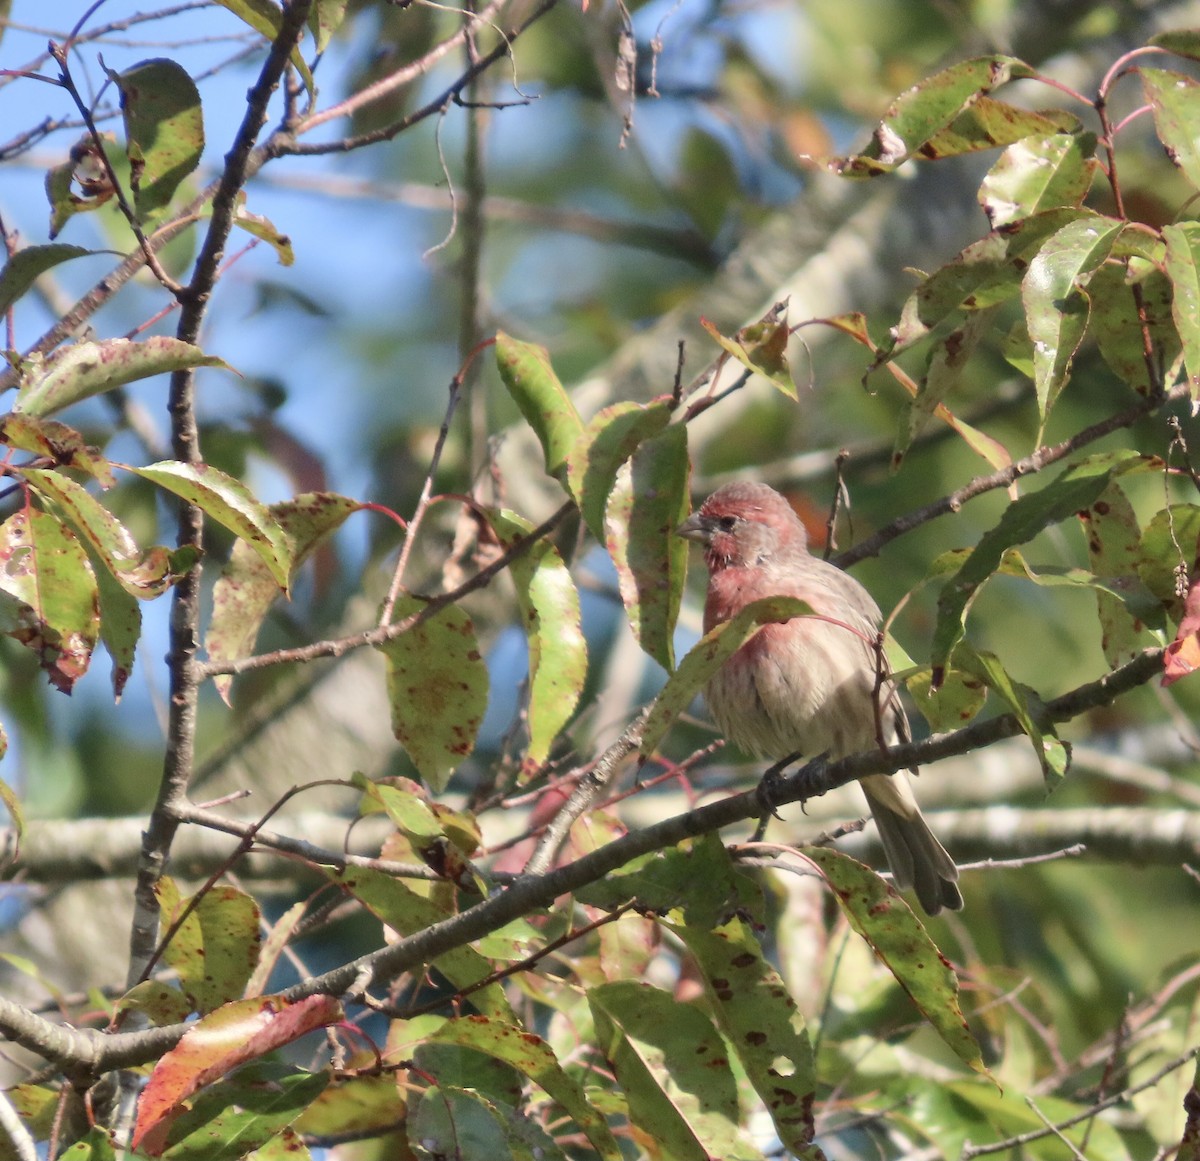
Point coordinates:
pixel 727 523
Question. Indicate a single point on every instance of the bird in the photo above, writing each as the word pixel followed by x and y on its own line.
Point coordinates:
pixel 810 685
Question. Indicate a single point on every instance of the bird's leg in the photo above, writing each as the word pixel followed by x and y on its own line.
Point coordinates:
pixel 767 793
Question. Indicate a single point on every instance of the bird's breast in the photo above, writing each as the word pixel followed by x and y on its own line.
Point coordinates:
pixel 803 686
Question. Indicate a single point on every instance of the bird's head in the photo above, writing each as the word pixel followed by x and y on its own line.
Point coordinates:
pixel 744 524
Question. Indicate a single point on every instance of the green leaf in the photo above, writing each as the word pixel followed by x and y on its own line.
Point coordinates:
pixel 215 948
pixel 247 587
pixel 1070 492
pixel 762 1023
pixel 406 912
pixel 265 230
pixel 1183 260
pixel 25 266
pixel 707 656
pixel 1056 304
pixel 608 440
pixel 761 347
pixel 536 390
pixel 120 623
pixel 325 19
pixel 266 18
pixel 437 684
pixel 987 272
pixel 988 124
pixel 354 1106
pixel 158 1001
pixel 1118 328
pixel 50 603
pixel 244 1114
pixel 1181 41
pixel 954 703
pixel 86 369
pixel 1114 549
pixel 217 1043
pixel 1052 755
pixel 696 880
pixel 230 504
pixel 1175 99
pixel 549 604
pixel 143 575
pixel 947 361
pixel 955 1111
pixel 164 130
pixel 1038 174
pixel 449 1121
pixel 423 822
pixel 706 179
pixel 95 1145
pixel 928 108
pixel 991 450
pixel 1167 553
pixel 648 502
pixel 124 574
pixel 533 1057
pixel 1138 600
pixel 463 1067
pixel 671 1063
pixel 878 913
pixel 57 442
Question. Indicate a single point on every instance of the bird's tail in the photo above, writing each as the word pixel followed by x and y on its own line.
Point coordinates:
pixel 915 856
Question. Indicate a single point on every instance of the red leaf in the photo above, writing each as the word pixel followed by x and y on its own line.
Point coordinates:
pixel 230 1036
pixel 1183 654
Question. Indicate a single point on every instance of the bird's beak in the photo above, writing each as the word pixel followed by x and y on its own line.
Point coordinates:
pixel 697 528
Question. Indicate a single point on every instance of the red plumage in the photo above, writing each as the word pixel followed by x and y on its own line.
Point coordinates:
pixel 809 685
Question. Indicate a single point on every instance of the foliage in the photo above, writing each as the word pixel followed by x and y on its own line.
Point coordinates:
pixel 589 982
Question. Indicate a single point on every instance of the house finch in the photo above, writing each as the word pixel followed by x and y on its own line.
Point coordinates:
pixel 810 685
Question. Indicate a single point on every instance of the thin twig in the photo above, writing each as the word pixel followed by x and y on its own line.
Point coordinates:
pixel 591 784
pixel 1034 462
pixel 61 56
pixel 179 756
pixel 336 647
pixel 970 1151
pixel 94 1053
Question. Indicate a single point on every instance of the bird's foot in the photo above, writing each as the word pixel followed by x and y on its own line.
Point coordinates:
pixel 768 793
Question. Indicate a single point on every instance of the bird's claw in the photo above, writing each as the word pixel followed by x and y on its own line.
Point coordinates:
pixel 767 793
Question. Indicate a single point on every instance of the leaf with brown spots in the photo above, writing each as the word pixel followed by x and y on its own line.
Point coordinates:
pixel 215 947
pixel 534 1058
pixel 922 113
pixel 1113 542
pixel 437 684
pixel 231 1036
pixel 544 402
pixel 761 1021
pixel 696 881
pixel 549 604
pixel 648 502
pixel 48 599
pixel 761 347
pixel 81 370
pixel 247 588
pixel 672 1065
pixel 879 914
pixel 406 912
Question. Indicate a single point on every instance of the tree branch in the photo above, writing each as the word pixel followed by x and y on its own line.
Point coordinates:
pixel 531 892
pixel 338 646
pixel 179 756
